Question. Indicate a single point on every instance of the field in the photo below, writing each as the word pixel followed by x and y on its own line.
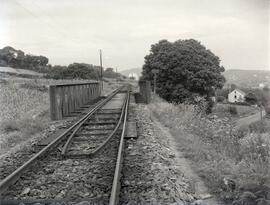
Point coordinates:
pixel 24 108
pixel 216 149
pixel 222 109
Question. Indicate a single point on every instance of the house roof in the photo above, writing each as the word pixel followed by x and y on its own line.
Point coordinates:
pixel 238 90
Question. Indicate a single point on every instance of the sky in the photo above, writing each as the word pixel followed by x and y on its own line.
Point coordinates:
pixel 67 31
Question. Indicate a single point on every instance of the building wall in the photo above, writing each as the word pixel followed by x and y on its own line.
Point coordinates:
pixel 236 96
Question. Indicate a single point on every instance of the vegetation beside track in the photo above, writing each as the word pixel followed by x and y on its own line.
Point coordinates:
pixel 216 149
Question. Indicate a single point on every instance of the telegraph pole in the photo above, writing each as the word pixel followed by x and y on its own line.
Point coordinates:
pixel 101 71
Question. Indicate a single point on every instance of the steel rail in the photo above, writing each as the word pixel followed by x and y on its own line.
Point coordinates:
pixel 114 197
pixel 93 111
pixel 99 148
pixel 14 176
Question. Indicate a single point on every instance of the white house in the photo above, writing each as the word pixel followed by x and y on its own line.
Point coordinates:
pixel 236 96
pixel 134 75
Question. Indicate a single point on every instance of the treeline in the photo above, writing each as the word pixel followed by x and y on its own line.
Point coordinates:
pixel 18 59
pixel 79 71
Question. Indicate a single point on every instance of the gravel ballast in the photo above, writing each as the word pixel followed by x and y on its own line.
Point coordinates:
pixel 149 172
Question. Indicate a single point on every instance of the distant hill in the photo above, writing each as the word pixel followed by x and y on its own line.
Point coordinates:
pixel 247 78
pixel 137 71
pixel 242 78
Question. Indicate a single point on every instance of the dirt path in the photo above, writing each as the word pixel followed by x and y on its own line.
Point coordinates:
pixel 182 164
pixel 249 119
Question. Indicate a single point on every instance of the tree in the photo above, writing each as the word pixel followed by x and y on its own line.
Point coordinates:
pixel 109 73
pixel 186 69
pixel 251 98
pixel 109 70
pixel 11 57
pixel 233 86
pixel 81 71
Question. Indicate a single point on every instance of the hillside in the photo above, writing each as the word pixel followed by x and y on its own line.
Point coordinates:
pixel 19 71
pixel 247 78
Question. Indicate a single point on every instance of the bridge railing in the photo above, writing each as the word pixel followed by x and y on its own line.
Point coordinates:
pixel 67 98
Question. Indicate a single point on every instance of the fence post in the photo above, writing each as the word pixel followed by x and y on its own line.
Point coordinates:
pixel 145 90
pixel 53 108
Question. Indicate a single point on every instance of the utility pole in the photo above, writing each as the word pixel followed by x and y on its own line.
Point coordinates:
pixel 101 70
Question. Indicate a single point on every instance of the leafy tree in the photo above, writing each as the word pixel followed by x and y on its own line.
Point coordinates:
pixel 223 92
pixel 17 59
pixel 109 73
pixel 74 71
pixel 186 69
pixel 109 70
pixel 11 57
pixel 82 71
pixel 220 98
pixel 233 86
pixel 251 98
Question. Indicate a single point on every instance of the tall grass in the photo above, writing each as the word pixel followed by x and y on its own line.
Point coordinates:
pixel 215 147
pixel 22 113
pixel 17 103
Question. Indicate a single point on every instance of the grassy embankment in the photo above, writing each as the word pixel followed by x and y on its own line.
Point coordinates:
pixel 215 148
pixel 223 110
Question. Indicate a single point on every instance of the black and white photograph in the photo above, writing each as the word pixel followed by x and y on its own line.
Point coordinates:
pixel 135 102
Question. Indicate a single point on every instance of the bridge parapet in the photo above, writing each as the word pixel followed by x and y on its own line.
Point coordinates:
pixel 67 98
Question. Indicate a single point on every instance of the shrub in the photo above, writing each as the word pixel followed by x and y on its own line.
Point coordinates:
pixel 261 126
pixel 240 103
pixel 233 110
pixel 220 99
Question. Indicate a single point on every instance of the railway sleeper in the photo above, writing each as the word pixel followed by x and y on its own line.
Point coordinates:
pixel 101 123
pixel 91 134
pixel 97 128
pixel 108 113
pixel 98 119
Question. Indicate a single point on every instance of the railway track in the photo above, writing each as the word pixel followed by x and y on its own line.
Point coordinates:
pixel 82 164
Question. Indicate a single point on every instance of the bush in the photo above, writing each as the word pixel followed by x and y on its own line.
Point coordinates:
pixel 240 103
pixel 261 126
pixel 220 98
pixel 233 110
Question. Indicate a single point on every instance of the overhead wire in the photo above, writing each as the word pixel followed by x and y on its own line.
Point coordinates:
pixel 56 30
